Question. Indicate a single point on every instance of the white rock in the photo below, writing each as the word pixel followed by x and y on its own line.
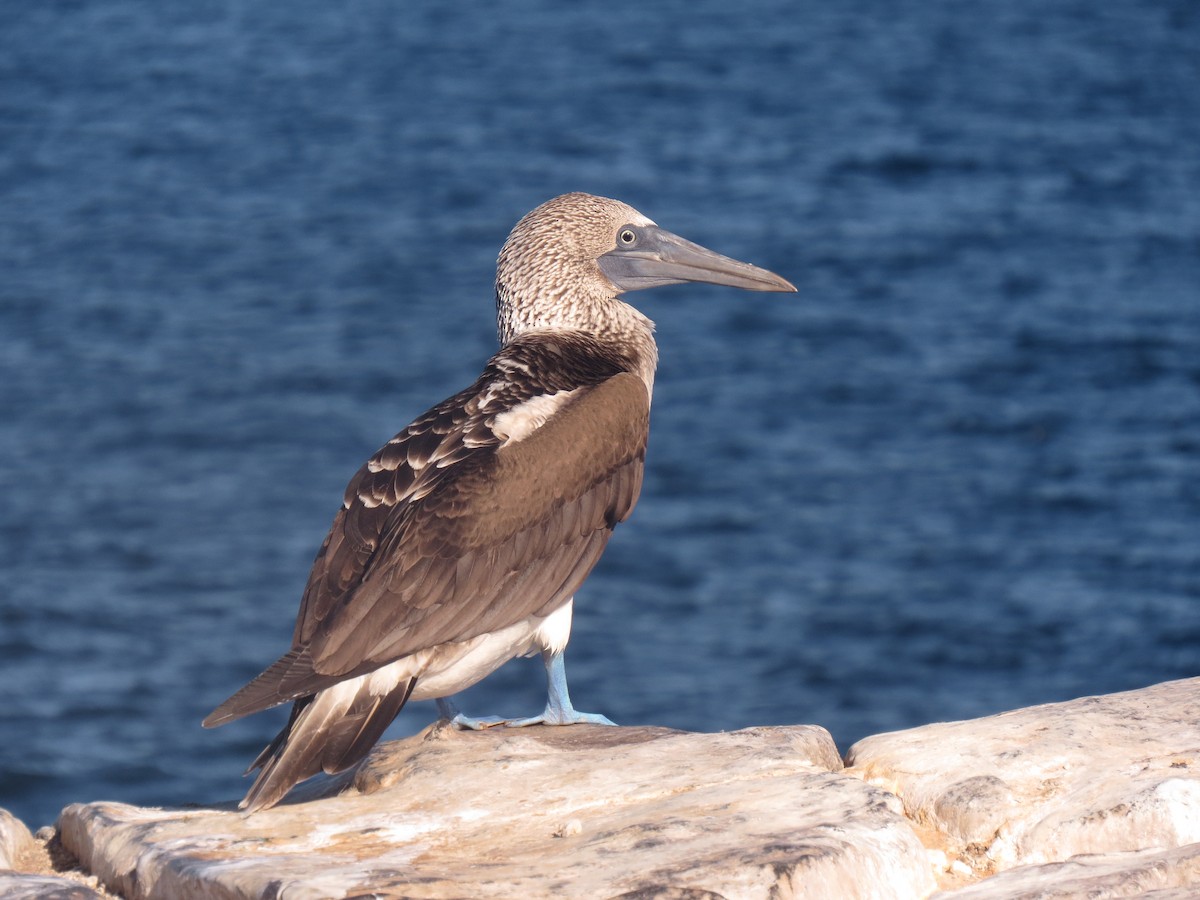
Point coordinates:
pixel 17 886
pixel 1160 874
pixel 25 867
pixel 1109 774
pixel 16 842
pixel 584 811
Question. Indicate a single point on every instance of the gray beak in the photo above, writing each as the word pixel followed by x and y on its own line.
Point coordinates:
pixel 647 256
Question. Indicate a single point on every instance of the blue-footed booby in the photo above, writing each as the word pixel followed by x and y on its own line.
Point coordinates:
pixel 461 543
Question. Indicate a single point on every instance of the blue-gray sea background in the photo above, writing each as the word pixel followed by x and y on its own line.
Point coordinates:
pixel 243 244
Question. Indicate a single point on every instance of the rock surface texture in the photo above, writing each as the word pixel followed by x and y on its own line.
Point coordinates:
pixel 16 842
pixel 1098 797
pixel 26 869
pixel 584 811
pixel 1101 775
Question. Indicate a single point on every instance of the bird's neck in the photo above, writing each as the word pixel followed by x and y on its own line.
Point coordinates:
pixel 606 318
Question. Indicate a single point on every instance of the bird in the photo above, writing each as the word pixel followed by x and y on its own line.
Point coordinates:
pixel 461 543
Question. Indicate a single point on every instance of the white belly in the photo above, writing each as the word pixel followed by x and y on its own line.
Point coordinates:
pixel 450 668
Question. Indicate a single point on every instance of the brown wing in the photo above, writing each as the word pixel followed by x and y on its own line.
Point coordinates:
pixel 510 533
pixel 447 534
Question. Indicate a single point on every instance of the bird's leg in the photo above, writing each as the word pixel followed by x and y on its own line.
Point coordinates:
pixel 559 710
pixel 447 709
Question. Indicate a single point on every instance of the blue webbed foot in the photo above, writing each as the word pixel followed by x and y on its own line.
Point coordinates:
pixel 559 710
pixel 553 716
pixel 448 710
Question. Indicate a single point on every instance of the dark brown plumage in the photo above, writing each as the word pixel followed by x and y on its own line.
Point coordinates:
pixel 462 541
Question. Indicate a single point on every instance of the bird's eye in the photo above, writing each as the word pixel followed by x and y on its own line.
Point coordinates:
pixel 627 236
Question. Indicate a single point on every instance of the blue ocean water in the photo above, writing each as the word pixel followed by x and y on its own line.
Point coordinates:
pixel 243 244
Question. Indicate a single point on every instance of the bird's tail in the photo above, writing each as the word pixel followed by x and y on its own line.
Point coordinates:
pixel 327 732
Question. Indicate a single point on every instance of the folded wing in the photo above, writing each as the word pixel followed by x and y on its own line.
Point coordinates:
pixel 456 528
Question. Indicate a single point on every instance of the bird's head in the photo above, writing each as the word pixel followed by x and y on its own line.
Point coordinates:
pixel 567 259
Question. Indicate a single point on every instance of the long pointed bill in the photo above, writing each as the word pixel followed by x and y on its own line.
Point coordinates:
pixel 655 257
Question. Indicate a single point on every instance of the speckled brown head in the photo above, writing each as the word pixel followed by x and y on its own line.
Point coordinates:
pixel 566 263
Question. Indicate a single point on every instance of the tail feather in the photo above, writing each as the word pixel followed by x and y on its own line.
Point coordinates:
pixel 268 751
pixel 327 732
pixel 341 754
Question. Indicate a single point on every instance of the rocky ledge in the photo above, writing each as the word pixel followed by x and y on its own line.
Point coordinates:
pixel 1098 797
